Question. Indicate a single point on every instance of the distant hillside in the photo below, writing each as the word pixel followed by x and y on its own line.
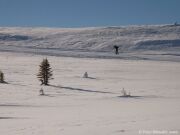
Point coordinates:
pixel 100 39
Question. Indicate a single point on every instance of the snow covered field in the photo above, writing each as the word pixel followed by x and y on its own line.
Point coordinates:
pixel 89 106
pixel 150 42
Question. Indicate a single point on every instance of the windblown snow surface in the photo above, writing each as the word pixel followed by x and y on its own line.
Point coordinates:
pixel 148 67
pixel 135 42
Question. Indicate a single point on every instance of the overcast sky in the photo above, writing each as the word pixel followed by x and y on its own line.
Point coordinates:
pixel 88 13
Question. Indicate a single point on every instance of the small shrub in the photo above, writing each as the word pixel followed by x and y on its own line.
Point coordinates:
pixel 125 94
pixel 85 75
pixel 41 92
pixel 1 77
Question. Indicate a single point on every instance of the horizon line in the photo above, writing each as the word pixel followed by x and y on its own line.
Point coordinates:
pixel 100 26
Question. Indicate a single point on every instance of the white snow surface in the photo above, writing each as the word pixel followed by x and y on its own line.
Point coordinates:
pixel 74 105
pixel 135 42
pixel 147 67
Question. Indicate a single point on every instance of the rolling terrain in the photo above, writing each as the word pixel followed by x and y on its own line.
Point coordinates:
pixel 147 66
pixel 154 42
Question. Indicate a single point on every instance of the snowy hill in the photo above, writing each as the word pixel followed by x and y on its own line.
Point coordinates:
pixel 74 105
pixel 91 42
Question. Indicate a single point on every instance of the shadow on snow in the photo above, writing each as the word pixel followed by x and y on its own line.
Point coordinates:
pixel 79 89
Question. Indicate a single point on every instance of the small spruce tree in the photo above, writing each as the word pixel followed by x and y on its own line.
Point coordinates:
pixel 45 72
pixel 1 77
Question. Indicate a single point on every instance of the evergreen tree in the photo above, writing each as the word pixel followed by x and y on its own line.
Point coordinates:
pixel 1 77
pixel 45 72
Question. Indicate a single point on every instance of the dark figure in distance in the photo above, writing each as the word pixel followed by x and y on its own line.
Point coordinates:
pixel 116 49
